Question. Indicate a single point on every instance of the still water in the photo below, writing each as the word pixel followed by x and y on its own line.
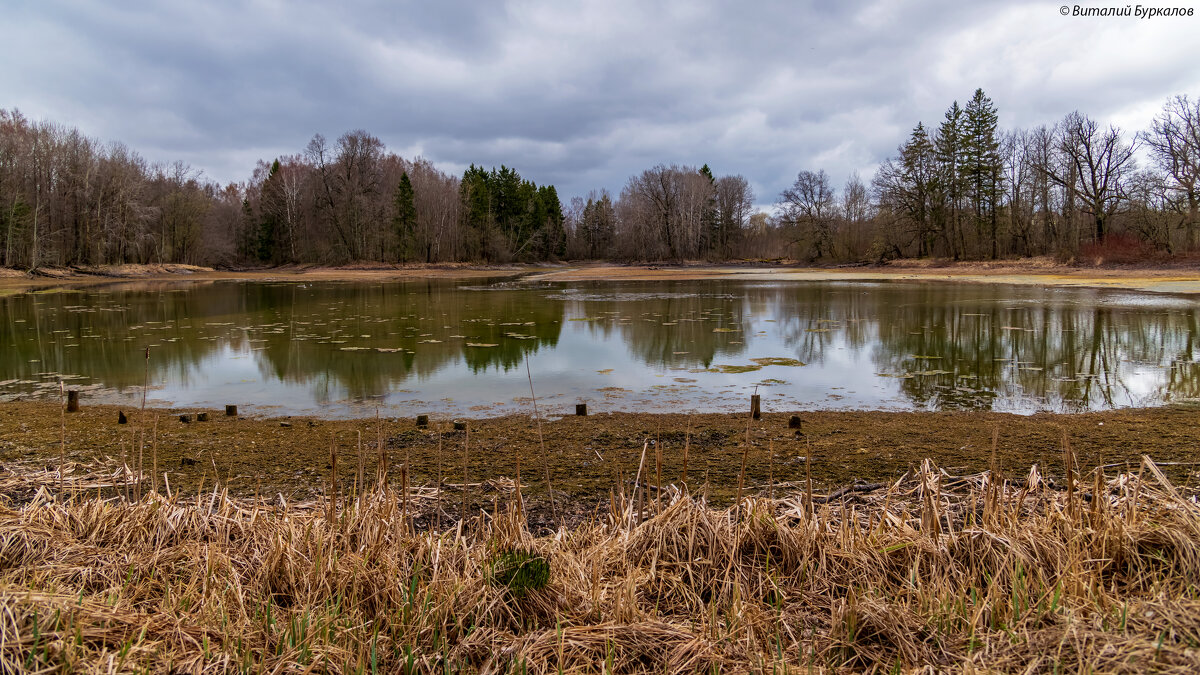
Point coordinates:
pixel 460 347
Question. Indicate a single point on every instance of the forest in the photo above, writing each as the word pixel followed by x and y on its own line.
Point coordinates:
pixel 962 188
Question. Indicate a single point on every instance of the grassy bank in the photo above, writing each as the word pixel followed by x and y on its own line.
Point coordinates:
pixel 995 572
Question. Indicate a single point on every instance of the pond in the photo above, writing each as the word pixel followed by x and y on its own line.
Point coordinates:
pixel 471 347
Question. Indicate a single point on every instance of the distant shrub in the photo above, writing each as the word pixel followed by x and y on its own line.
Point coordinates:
pixel 1120 249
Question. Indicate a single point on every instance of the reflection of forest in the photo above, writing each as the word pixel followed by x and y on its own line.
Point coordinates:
pixel 964 346
pixel 676 324
pixel 362 339
pixel 952 346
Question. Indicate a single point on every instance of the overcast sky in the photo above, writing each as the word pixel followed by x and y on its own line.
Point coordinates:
pixel 577 94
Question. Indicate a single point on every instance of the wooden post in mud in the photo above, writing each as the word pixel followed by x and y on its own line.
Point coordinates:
pixel 795 422
pixel 72 400
pixel 581 409
pixel 231 411
pixel 422 420
pixel 755 406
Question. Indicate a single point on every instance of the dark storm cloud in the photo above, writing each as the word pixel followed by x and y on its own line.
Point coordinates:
pixel 577 94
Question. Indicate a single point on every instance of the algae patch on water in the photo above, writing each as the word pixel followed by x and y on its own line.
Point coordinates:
pixel 777 361
pixel 728 369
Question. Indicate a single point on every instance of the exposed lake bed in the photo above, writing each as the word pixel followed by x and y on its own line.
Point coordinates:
pixel 588 456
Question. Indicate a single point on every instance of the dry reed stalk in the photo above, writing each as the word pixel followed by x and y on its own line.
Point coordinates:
pixel 520 498
pixel 142 426
pixel 637 487
pixel 1069 474
pixel 332 493
pixel 808 489
pixel 141 463
pixel 462 518
pixel 687 442
pixel 154 455
pixel 404 513
pixel 62 448
pixel 438 510
pixel 362 467
pixel 658 474
pixel 742 475
pixel 541 441
pixel 771 468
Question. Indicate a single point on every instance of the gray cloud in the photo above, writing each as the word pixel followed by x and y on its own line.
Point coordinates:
pixel 582 94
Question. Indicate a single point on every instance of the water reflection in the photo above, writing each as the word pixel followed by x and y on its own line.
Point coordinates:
pixel 696 345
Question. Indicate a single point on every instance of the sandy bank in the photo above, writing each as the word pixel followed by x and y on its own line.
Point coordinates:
pixel 1038 271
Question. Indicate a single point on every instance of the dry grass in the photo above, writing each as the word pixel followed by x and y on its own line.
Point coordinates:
pixel 933 572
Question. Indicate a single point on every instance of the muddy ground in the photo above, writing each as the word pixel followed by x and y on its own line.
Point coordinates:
pixel 1180 277
pixel 588 456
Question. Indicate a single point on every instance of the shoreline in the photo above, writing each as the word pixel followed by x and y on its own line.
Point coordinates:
pixel 586 457
pixel 1179 279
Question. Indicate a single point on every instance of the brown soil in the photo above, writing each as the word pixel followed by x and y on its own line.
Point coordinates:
pixel 14 280
pixel 1033 271
pixel 1167 278
pixel 589 456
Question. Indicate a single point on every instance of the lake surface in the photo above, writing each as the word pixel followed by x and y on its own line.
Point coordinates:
pixel 460 347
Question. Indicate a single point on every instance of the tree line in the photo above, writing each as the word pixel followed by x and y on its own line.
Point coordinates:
pixel 968 190
pixel 963 189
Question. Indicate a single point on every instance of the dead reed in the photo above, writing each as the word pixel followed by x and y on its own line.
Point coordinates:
pixel 932 572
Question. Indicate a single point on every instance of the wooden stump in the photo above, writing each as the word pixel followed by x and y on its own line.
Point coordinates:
pixel 186 419
pixel 795 422
pixel 460 426
pixel 581 409
pixel 755 403
pixel 202 417
pixel 231 411
pixel 121 418
pixel 73 400
pixel 422 420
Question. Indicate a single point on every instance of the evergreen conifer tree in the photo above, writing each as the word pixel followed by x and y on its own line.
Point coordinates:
pixel 404 219
pixel 982 166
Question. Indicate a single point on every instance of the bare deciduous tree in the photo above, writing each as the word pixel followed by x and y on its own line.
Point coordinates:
pixel 1174 143
pixel 1097 162
pixel 810 208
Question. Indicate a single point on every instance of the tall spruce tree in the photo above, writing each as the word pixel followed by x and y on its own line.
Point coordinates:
pixel 709 226
pixel 950 156
pixel 404 220
pixel 919 160
pixel 477 217
pixel 982 166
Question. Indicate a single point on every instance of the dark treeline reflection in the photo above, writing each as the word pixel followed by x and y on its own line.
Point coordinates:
pixel 356 340
pixel 965 346
pixel 671 324
pixel 927 345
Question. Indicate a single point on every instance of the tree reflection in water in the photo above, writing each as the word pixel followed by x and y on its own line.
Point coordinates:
pixel 938 346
